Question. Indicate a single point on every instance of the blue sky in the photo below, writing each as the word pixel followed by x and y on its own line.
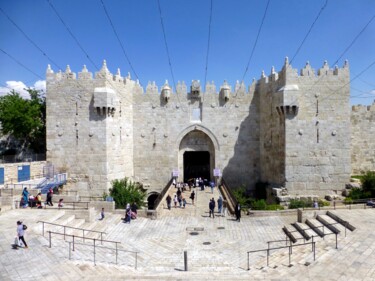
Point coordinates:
pixel 234 28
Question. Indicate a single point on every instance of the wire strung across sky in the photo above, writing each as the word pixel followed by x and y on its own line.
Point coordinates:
pixel 118 39
pixel 28 38
pixel 255 43
pixel 309 31
pixel 166 45
pixel 208 44
pixel 21 64
pixel 71 34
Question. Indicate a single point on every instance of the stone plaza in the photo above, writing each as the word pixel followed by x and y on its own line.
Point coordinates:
pixel 216 248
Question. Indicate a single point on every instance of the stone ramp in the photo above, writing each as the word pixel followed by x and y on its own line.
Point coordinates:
pixel 200 207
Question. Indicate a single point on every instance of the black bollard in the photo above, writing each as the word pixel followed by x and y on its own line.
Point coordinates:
pixel 185 261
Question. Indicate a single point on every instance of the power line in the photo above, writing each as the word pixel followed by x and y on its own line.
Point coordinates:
pixel 166 45
pixel 118 39
pixel 21 64
pixel 256 41
pixel 208 44
pixel 29 39
pixel 71 34
pixel 355 39
pixel 342 54
pixel 308 32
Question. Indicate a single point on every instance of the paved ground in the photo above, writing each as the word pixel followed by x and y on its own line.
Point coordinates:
pixel 216 248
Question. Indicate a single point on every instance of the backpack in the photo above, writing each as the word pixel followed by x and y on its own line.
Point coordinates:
pixel 24 227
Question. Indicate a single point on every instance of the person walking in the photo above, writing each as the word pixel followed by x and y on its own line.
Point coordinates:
pixel 25 197
pixel 238 212
pixel 175 200
pixel 212 184
pixel 219 205
pixel 102 214
pixel 225 207
pixel 211 206
pixel 192 197
pixel 169 200
pixel 49 197
pixel 21 233
pixel 183 202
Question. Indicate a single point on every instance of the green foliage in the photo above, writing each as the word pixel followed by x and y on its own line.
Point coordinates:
pixel 262 205
pixel 304 203
pixel 297 203
pixel 126 191
pixel 25 119
pixel 358 177
pixel 358 193
pixel 242 197
pixel 245 200
pixel 259 205
pixel 368 184
pixel 323 203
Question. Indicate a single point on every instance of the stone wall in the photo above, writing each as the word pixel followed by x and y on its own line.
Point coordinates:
pixel 285 129
pixel 363 138
pixel 89 127
pixel 11 170
pixel 318 135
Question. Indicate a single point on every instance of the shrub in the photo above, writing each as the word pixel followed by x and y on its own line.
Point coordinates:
pixel 368 183
pixel 358 193
pixel 259 205
pixel 241 196
pixel 126 191
pixel 299 203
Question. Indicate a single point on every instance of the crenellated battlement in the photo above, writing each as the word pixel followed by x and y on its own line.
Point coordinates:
pixel 364 108
pixel 289 72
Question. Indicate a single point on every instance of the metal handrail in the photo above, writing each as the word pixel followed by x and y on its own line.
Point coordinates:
pixel 228 195
pixel 71 227
pixel 66 204
pixel 95 246
pixel 290 247
pixel 161 195
pixel 79 237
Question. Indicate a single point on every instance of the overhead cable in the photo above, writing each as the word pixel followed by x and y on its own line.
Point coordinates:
pixel 208 44
pixel 21 64
pixel 118 39
pixel 308 32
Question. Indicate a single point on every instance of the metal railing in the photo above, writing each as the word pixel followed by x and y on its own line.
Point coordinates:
pixel 290 251
pixel 67 205
pixel 73 243
pixel 161 195
pixel 116 251
pixel 23 158
pixel 228 195
pixel 87 231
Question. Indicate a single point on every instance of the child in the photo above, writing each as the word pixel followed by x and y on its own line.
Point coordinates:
pixel 61 204
pixel 102 214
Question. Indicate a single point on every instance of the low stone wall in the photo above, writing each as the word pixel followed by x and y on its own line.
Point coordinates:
pixel 11 170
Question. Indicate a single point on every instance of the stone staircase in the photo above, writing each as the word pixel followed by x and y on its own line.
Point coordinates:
pixel 322 230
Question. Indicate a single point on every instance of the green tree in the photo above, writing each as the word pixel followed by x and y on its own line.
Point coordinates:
pixel 368 183
pixel 126 191
pixel 25 119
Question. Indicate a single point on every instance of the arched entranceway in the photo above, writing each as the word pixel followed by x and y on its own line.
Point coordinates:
pixel 196 164
pixel 196 156
pixel 151 200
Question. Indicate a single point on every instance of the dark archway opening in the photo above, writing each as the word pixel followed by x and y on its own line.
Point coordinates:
pixel 151 201
pixel 196 164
